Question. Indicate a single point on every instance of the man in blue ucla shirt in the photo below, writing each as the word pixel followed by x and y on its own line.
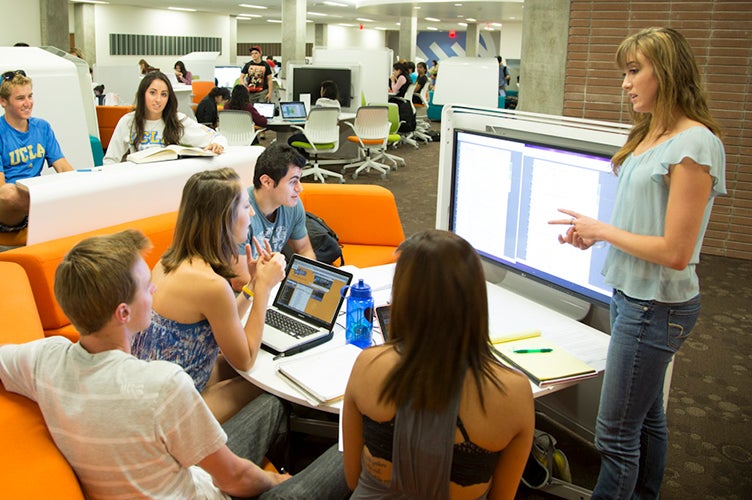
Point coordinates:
pixel 25 144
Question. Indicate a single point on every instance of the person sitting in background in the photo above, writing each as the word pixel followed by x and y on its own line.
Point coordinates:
pixel 420 82
pixel 467 433
pixel 207 110
pixel 26 143
pixel 143 422
pixel 196 315
pixel 156 122
pixel 411 71
pixel 279 213
pixel 329 93
pixel 433 73
pixel 240 99
pixel 144 67
pixel 399 80
pixel 75 51
pixel 183 75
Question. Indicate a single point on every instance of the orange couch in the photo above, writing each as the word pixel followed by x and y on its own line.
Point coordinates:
pixel 364 217
pixel 31 466
pixel 41 260
pixel 107 119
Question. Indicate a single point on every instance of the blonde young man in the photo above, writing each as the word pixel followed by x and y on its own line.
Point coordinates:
pixel 25 144
pixel 132 428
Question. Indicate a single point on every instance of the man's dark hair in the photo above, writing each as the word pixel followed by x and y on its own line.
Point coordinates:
pixel 275 162
pixel 220 91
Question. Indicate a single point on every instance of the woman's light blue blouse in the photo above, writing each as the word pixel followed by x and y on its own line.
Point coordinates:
pixel 640 208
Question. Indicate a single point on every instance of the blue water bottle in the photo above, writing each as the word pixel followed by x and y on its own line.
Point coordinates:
pixel 359 320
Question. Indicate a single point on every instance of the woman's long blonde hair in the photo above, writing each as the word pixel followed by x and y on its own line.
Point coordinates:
pixel 680 88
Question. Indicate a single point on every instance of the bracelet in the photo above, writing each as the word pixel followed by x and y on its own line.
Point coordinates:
pixel 247 292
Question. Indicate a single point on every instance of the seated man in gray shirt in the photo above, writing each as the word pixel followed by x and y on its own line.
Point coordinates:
pixel 134 428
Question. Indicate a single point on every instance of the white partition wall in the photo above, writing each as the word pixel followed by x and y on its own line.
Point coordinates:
pixel 472 81
pixel 376 66
pixel 200 64
pixel 57 98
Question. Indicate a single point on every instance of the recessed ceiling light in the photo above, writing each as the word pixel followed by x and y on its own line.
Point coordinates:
pixel 364 20
pixel 248 16
pixel 91 1
pixel 317 14
pixel 277 21
pixel 335 4
pixel 346 25
pixel 433 20
pixel 462 24
pixel 380 28
pixel 471 20
pixel 250 6
pixel 496 25
pixel 431 28
pixel 182 9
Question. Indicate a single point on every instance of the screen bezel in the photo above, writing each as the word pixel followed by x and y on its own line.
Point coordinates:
pixel 538 140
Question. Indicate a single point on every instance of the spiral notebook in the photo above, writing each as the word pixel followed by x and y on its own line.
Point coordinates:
pixel 543 361
pixel 322 377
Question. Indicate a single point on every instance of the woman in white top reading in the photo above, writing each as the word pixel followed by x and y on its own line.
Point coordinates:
pixel 156 122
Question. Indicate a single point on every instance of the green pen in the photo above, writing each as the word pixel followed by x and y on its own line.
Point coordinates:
pixel 530 351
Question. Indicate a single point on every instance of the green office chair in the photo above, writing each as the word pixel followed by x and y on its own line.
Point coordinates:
pixel 321 134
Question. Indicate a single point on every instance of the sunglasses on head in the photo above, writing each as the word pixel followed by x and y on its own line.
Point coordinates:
pixel 9 75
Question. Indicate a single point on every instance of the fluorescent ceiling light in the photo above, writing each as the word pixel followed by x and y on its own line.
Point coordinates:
pixel 346 25
pixel 364 20
pixel 317 14
pixel 278 21
pixel 462 24
pixel 433 19
pixel 249 6
pixel 182 9
pixel 471 20
pixel 497 25
pixel 335 4
pixel 431 28
pixel 91 1
pixel 248 16
pixel 380 28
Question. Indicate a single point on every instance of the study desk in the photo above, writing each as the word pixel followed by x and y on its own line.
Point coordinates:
pixel 508 313
pixel 63 204
pixel 285 128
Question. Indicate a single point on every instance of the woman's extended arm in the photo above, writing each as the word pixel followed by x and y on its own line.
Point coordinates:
pixel 689 189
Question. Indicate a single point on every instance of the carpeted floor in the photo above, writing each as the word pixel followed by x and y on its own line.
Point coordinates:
pixel 710 405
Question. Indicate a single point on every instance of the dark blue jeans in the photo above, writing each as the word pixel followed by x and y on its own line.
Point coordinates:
pixel 631 433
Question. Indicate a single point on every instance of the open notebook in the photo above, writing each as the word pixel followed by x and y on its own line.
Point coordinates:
pixel 543 361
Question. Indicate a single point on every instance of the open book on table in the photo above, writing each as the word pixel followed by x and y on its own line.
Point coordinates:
pixel 543 361
pixel 171 152
pixel 321 376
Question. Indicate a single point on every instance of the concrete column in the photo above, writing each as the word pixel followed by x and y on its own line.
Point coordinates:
pixel 321 36
pixel 545 31
pixel 53 17
pixel 85 31
pixel 233 40
pixel 408 37
pixel 471 40
pixel 392 38
pixel 293 33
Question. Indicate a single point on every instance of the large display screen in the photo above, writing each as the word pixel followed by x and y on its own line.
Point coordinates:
pixel 505 190
pixel 307 80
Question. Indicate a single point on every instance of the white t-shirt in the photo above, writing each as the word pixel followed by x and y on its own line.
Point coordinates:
pixel 129 428
pixel 194 134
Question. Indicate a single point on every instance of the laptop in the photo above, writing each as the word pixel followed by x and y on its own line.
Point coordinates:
pixel 293 111
pixel 305 308
pixel 265 109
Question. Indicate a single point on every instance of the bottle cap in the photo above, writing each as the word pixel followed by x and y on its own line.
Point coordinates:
pixel 361 290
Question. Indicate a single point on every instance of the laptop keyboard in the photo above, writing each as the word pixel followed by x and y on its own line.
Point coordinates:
pixel 288 325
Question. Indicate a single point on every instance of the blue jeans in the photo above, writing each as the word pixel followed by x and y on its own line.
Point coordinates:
pixel 262 425
pixel 630 432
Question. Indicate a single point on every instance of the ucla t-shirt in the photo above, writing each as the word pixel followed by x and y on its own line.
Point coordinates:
pixel 24 153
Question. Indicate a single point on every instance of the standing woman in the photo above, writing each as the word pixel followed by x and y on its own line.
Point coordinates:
pixel 182 74
pixel 670 170
pixel 156 122
pixel 427 422
pixel 195 312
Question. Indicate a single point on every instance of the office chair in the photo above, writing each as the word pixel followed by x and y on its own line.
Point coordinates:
pixel 411 135
pixel 371 129
pixel 238 127
pixel 321 133
pixel 394 138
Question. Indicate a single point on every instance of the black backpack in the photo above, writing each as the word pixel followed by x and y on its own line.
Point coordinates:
pixel 406 115
pixel 324 241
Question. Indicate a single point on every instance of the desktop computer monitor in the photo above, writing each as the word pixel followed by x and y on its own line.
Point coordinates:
pixel 504 190
pixel 226 75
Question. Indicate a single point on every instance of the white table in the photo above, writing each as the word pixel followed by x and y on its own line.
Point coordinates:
pixel 84 200
pixel 508 312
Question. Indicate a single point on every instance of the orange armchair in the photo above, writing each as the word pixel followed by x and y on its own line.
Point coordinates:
pixel 200 89
pixel 364 216
pixel 107 118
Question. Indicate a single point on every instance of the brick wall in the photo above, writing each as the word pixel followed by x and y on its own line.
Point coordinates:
pixel 720 33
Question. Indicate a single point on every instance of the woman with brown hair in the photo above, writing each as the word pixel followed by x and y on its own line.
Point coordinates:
pixel 432 413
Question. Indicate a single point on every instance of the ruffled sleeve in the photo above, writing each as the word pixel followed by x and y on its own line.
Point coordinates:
pixel 704 148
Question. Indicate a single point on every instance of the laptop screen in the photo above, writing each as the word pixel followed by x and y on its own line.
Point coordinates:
pixel 265 109
pixel 311 291
pixel 294 110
